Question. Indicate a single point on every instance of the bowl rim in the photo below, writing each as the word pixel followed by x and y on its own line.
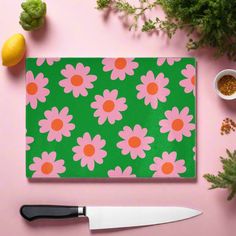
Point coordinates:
pixel 218 77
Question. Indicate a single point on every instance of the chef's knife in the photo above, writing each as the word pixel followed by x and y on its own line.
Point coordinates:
pixel 110 217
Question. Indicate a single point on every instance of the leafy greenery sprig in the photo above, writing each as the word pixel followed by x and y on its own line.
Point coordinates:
pixel 226 178
pixel 214 21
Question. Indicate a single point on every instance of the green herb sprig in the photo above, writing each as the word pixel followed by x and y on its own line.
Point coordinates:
pixel 214 21
pixel 226 178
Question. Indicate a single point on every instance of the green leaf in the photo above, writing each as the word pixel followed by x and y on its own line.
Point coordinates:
pixel 125 7
pixel 226 178
pixel 149 25
pixel 102 4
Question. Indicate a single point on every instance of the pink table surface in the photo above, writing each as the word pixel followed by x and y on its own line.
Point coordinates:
pixel 76 28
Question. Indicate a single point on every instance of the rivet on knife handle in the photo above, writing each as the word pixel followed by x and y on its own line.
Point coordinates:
pixel 33 212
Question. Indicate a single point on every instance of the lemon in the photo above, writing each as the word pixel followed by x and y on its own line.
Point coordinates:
pixel 13 50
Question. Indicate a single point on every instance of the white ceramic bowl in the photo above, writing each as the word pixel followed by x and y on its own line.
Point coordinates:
pixel 218 77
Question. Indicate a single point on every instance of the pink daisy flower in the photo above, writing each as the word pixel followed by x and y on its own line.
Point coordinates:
pixel 170 60
pixel 109 107
pixel 118 173
pixel 89 150
pixel 190 79
pixel 194 150
pixel 134 141
pixel 29 140
pixel 153 89
pixel 57 124
pixel 47 166
pixel 77 81
pixel 120 67
pixel 177 124
pixel 168 166
pixel 35 89
pixel 49 61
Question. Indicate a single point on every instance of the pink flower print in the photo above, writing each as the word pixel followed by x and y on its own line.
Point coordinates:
pixel 89 151
pixel 49 61
pixel 190 79
pixel 118 173
pixel 134 141
pixel 177 124
pixel 153 89
pixel 29 140
pixel 109 107
pixel 120 67
pixel 77 80
pixel 170 60
pixel 35 89
pixel 57 124
pixel 47 166
pixel 168 166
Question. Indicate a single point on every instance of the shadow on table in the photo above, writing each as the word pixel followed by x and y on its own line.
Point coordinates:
pixel 229 105
pixel 41 34
pixel 229 206
pixel 44 223
pixel 112 180
pixel 48 223
pixel 16 73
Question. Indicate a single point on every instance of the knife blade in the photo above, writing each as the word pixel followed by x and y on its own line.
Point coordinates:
pixel 106 217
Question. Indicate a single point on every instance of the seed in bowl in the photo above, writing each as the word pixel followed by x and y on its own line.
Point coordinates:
pixel 227 85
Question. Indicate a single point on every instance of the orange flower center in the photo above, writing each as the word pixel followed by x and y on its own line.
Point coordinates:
pixel 193 80
pixel 76 80
pixel 120 63
pixel 89 150
pixel 32 88
pixel 134 142
pixel 177 124
pixel 167 168
pixel 57 124
pixel 47 168
pixel 152 88
pixel 108 106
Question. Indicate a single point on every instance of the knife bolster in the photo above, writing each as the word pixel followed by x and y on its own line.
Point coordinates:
pixel 81 211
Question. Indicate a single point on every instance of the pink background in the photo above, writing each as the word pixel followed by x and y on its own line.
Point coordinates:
pixel 76 28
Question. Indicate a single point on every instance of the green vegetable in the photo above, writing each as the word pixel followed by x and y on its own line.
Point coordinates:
pixel 213 22
pixel 33 16
pixel 226 178
pixel 101 4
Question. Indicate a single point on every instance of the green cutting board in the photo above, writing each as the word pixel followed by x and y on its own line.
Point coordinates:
pixel 110 117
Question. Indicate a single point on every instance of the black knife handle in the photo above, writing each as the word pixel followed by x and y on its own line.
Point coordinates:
pixel 33 212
